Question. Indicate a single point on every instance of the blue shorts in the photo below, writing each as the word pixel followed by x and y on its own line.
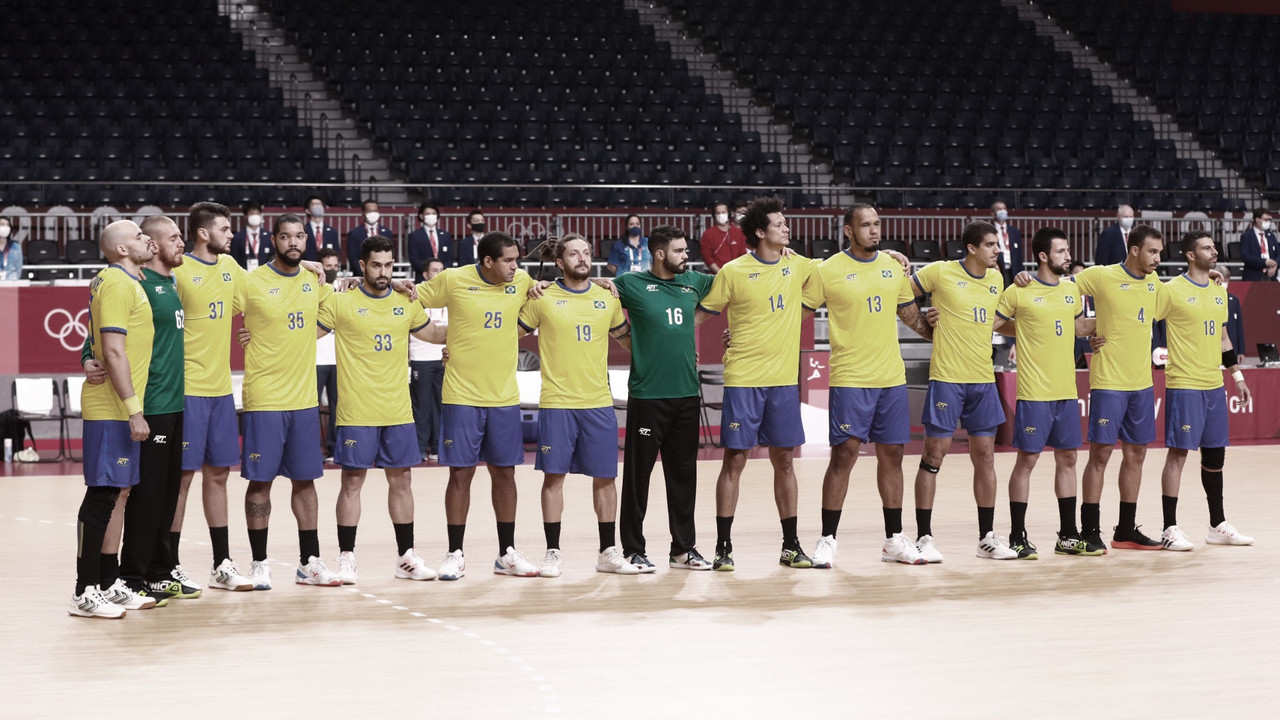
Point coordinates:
pixel 210 432
pixel 471 435
pixel 1127 414
pixel 1195 419
pixel 111 456
pixel 877 415
pixel 768 416
pixel 361 447
pixel 1037 423
pixel 973 406
pixel 282 442
pixel 578 441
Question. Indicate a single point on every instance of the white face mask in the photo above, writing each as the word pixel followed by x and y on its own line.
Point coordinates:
pixel 1126 223
pixel 372 217
pixel 722 218
pixel 430 220
pixel 317 211
pixel 255 220
pixel 1266 225
pixel 1002 215
pixel 4 231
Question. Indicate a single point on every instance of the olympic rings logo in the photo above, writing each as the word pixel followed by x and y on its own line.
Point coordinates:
pixel 72 328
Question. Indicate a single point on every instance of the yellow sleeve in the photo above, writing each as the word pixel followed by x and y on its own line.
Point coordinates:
pixel 926 277
pixel 328 317
pixel 814 295
pixel 1086 278
pixel 1074 291
pixel 529 315
pixel 718 296
pixel 115 304
pixel 1007 306
pixel 906 294
pixel 241 298
pixel 1163 301
pixel 418 318
pixel 434 293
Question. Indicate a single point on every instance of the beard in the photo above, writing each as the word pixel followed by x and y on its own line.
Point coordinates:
pixel 380 284
pixel 291 258
pixel 674 268
pixel 577 273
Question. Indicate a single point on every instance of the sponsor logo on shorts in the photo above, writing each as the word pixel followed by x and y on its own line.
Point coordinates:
pixel 545 449
pixel 1030 430
pixel 1103 421
pixel 940 405
pixel 255 457
pixel 448 442
pixel 397 311
pixel 844 427
pixel 122 462
pixel 1186 428
pixel 510 290
pixel 735 426
pixel 349 442
pixel 226 277
pixel 184 445
pixel 645 432
pixel 160 439
pixel 599 304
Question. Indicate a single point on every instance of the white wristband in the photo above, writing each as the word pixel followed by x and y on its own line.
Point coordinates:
pixel 1237 376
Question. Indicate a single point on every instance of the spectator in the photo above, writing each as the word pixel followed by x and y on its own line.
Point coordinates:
pixel 429 241
pixel 466 247
pixel 252 246
pixel 723 241
pixel 327 361
pixel 1010 258
pixel 11 256
pixel 631 253
pixel 1259 249
pixel 1113 243
pixel 426 375
pixel 318 228
pixel 372 226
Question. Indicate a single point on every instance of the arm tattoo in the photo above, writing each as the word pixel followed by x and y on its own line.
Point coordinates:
pixel 914 319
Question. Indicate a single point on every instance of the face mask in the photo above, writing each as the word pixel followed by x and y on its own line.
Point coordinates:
pixel 1002 215
pixel 330 275
pixel 1266 225
pixel 4 231
pixel 633 232
pixel 372 217
pixel 430 220
pixel 478 227
pixel 317 211
pixel 1126 223
pixel 255 221
pixel 722 218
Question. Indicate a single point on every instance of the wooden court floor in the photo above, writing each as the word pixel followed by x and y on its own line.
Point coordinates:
pixel 1128 635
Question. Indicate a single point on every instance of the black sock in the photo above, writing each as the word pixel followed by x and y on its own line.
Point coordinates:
pixel 830 522
pixel 174 539
pixel 1170 506
pixel 506 537
pixel 455 536
pixel 221 544
pixel 347 538
pixel 404 536
pixel 723 527
pixel 986 521
pixel 552 531
pixel 1017 519
pixel 790 536
pixel 1128 517
pixel 1090 517
pixel 110 569
pixel 924 522
pixel 308 545
pixel 892 521
pixel 1067 517
pixel 91 526
pixel 607 532
pixel 1212 481
pixel 258 544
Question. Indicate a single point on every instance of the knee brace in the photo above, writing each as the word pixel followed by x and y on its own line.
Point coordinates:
pixel 98 504
pixel 931 469
pixel 1212 459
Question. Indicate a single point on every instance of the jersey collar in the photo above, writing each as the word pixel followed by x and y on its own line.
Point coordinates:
pixel 119 267
pixel 483 278
pixel 855 258
pixel 965 268
pixel 364 290
pixel 192 256
pixel 1037 279
pixel 1193 282
pixel 764 262
pixel 1130 274
pixel 562 286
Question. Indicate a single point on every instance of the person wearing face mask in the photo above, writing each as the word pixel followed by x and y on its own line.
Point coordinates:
pixel 371 227
pixel 316 227
pixel 10 252
pixel 723 241
pixel 1113 243
pixel 1259 249
pixel 251 246
pixel 429 241
pixel 631 253
pixel 327 361
pixel 1010 242
pixel 465 249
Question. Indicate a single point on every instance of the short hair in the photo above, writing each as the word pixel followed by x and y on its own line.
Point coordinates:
pixel 366 201
pixel 151 221
pixel 1226 272
pixel 251 205
pixel 428 206
pixel 493 244
pixel 632 215
pixel 660 237
pixel 377 243
pixel 474 212
pixel 1261 211
pixel 434 260
pixel 1190 239
pixel 718 203
pixel 310 199
pixel 975 231
pixel 202 214
pixel 327 252
pixel 285 219
pixel 1139 235
pixel 854 209
pixel 1076 264
pixel 1042 241
pixel 757 217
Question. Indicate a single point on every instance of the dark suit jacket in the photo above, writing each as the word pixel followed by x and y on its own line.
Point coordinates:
pixel 1016 256
pixel 420 249
pixel 1110 249
pixel 464 252
pixel 329 238
pixel 1251 254
pixel 1235 324
pixel 239 247
pixel 355 238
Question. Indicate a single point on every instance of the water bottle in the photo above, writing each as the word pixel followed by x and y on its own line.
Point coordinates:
pixel 8 449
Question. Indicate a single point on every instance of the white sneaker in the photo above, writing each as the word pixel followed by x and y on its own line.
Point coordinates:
pixel 316 573
pixel 124 596
pixel 994 547
pixel 897 548
pixel 1226 534
pixel 1174 539
pixel 551 564
pixel 454 566
pixel 347 568
pixel 928 550
pixel 514 563
pixel 92 603
pixel 260 575
pixel 181 576
pixel 227 577
pixel 411 567
pixel 612 561
pixel 824 553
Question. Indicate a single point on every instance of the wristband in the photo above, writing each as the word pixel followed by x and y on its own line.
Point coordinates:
pixel 1237 376
pixel 132 405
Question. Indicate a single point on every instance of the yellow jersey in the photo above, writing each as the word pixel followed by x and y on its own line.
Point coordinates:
pixel 117 304
pixel 208 292
pixel 573 339
pixel 372 345
pixel 1125 306
pixel 764 302
pixel 280 312
pixel 1044 316
pixel 966 312
pixel 862 299
pixel 1194 316
pixel 484 324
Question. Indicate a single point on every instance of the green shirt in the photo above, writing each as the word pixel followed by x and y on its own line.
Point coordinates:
pixel 664 359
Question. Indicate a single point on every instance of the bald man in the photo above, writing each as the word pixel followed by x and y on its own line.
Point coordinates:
pixel 1113 243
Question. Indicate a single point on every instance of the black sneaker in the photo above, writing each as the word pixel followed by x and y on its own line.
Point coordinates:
pixel 724 558
pixel 641 562
pixel 1093 539
pixel 1071 545
pixel 1024 548
pixel 171 589
pixel 1133 539
pixel 140 588
pixel 794 558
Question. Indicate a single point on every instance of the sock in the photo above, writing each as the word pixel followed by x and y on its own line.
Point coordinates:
pixel 723 526
pixel 174 539
pixel 892 521
pixel 258 544
pixel 1128 516
pixel 404 536
pixel 830 522
pixel 308 545
pixel 552 531
pixel 110 564
pixel 1017 519
pixel 221 545
pixel 924 522
pixel 1170 506
pixel 1090 516
pixel 506 537
pixel 1067 517
pixel 455 536
pixel 986 521
pixel 1212 481
pixel 790 537
pixel 91 526
pixel 607 532
pixel 346 538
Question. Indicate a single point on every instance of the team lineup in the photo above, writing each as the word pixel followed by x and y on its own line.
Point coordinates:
pixel 157 363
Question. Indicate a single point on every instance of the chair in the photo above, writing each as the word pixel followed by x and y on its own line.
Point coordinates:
pixel 709 377
pixel 71 389
pixel 823 249
pixel 37 399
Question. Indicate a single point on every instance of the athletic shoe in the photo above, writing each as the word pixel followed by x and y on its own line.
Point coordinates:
pixel 453 567
pixel 1174 539
pixel 642 563
pixel 794 558
pixel 551 564
pixel 260 575
pixel 514 563
pixel 1077 546
pixel 612 561
pixel 724 559
pixel 316 573
pixel 1024 548
pixel 411 567
pixel 927 550
pixel 122 595
pixel 824 553
pixel 172 589
pixel 994 547
pixel 227 577
pixel 161 600
pixel 1134 540
pixel 897 548
pixel 1226 534
pixel 691 560
pixel 181 576
pixel 92 603
pixel 1093 538
pixel 347 567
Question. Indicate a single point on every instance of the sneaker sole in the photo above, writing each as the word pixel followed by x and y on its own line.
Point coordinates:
pixel 451 578
pixel 1207 541
pixel 821 566
pixel 885 558
pixel 682 566
pixel 316 583
pixel 232 588
pixel 406 576
pixel 1130 545
pixel 609 569
pixel 797 565
pixel 74 613
pixel 1173 549
pixel 513 573
pixel 542 574
pixel 727 567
